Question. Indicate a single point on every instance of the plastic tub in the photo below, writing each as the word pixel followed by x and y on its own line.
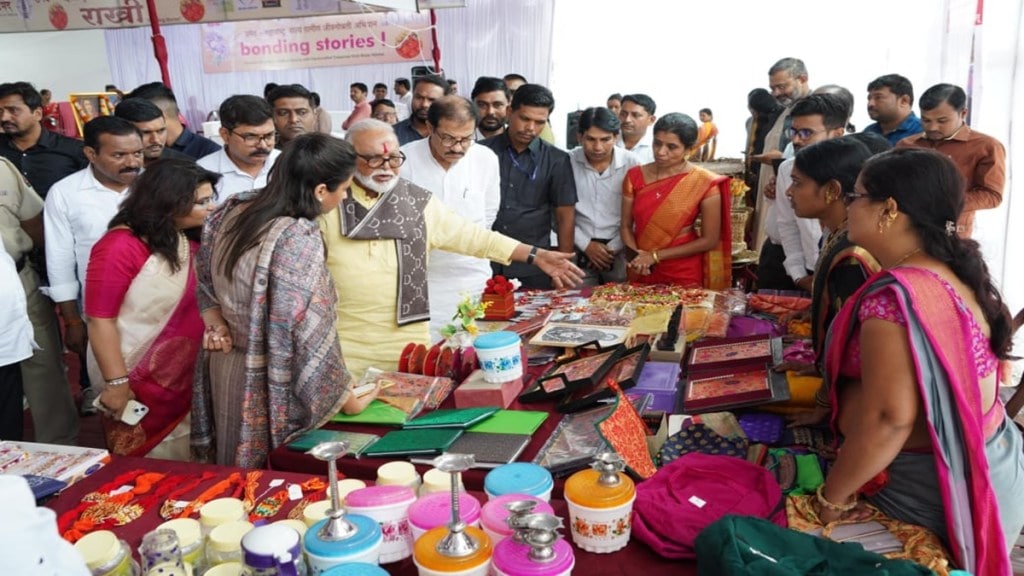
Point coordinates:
pixel 389 506
pixel 435 510
pixel 494 515
pixel 519 478
pixel 500 355
pixel 225 542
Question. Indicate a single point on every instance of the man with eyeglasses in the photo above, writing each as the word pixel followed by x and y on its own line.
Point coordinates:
pixel 247 128
pixel 379 244
pixel 538 192
pixel 465 178
pixel 385 111
pixel 980 157
pixel 787 80
pixel 294 112
pixel 790 251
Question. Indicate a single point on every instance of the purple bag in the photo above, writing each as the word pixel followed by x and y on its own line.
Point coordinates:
pixel 680 500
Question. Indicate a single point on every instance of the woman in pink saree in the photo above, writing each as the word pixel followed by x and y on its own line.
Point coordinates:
pixel 140 301
pixel 912 360
pixel 661 202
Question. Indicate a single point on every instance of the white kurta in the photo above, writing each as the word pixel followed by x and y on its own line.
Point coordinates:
pixel 472 189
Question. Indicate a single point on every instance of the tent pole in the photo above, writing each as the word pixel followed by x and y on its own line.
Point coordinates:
pixel 159 46
pixel 436 52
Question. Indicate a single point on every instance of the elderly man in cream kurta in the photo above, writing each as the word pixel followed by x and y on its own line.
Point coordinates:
pixel 378 241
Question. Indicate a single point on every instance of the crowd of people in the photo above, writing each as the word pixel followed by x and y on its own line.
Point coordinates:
pixel 239 292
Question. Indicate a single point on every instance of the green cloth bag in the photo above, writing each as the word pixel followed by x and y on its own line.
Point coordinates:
pixel 747 546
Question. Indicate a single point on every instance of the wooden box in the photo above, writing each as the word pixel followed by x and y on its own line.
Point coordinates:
pixel 502 306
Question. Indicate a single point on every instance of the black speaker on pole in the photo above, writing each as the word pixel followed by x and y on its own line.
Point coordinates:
pixel 572 123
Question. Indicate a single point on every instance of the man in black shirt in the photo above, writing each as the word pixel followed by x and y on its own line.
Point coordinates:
pixel 425 91
pixel 43 157
pixel 179 137
pixel 537 185
pixel 151 124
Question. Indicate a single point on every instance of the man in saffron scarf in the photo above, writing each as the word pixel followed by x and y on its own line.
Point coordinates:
pixel 661 202
pixel 912 364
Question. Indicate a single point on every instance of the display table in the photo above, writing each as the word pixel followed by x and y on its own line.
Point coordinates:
pixel 636 558
pixel 366 468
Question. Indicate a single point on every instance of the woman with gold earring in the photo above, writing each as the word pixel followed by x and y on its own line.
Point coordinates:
pixel 823 174
pixel 912 365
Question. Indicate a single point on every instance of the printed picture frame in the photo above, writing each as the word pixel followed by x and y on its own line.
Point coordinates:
pixel 569 335
pixel 625 371
pixel 579 370
pixel 88 105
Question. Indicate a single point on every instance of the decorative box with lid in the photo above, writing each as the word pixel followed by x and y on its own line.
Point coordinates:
pixel 601 505
pixel 456 549
pixel 535 550
pixel 340 538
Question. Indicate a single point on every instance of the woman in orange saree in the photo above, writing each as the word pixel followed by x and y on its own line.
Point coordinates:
pixel 661 202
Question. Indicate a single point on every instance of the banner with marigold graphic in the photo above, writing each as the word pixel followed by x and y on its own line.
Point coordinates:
pixel 49 15
pixel 315 42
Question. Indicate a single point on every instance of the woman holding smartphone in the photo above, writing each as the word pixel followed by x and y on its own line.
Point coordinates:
pixel 140 303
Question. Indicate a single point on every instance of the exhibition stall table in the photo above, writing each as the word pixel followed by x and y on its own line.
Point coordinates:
pixel 636 558
pixel 365 468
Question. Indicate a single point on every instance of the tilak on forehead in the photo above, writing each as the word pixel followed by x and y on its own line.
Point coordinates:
pixel 385 145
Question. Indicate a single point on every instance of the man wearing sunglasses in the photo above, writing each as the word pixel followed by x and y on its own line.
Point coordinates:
pixel 380 242
pixel 466 179
pixel 816 118
pixel 247 128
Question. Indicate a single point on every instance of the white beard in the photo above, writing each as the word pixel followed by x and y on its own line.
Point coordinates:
pixel 378 187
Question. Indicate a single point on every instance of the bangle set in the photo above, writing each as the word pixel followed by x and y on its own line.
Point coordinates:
pixel 654 256
pixel 119 381
pixel 831 505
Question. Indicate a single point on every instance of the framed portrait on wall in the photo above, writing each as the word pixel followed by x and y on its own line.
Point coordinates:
pixel 88 105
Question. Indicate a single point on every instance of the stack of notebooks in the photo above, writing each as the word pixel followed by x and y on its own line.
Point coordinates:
pixel 493 436
pixel 729 373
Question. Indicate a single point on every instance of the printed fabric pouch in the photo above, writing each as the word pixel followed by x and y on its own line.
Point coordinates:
pixel 918 543
pixel 702 439
pixel 676 504
pixel 742 546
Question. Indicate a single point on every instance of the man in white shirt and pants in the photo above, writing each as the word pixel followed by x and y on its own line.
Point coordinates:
pixel 466 178
pixel 15 346
pixel 78 212
pixel 247 128
pixel 599 167
pixel 54 417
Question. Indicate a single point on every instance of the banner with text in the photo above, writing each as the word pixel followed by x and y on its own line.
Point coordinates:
pixel 48 15
pixel 315 42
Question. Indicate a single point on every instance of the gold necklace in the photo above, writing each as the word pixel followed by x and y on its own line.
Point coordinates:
pixel 905 256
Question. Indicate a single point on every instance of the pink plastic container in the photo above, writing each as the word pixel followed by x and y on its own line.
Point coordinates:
pixel 389 506
pixel 494 514
pixel 433 510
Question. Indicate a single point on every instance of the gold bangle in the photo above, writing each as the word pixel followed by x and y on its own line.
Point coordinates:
pixel 654 256
pixel 832 506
